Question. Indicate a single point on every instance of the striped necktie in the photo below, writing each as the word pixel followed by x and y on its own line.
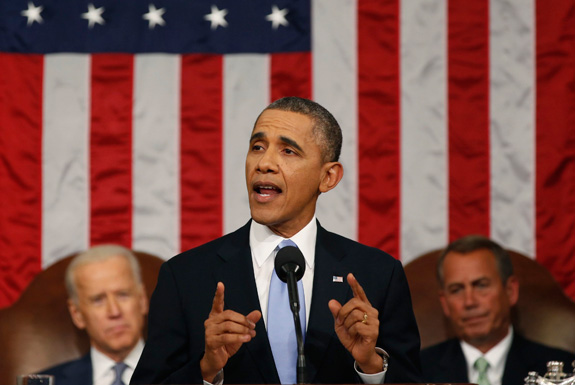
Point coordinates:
pixel 482 365
pixel 119 370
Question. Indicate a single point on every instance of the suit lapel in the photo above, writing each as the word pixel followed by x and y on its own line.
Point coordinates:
pixel 516 365
pixel 326 286
pixel 453 362
pixel 241 295
pixel 79 372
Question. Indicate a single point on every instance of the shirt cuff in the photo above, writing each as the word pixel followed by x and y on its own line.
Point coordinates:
pixel 375 378
pixel 218 379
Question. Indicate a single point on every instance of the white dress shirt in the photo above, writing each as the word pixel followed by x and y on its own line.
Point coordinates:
pixel 103 367
pixel 263 243
pixel 496 356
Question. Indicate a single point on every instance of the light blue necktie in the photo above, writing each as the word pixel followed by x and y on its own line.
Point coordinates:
pixel 119 370
pixel 281 328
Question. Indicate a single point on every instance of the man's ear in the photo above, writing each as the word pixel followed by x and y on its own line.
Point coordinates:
pixel 144 305
pixel 332 172
pixel 76 315
pixel 512 290
pixel 443 302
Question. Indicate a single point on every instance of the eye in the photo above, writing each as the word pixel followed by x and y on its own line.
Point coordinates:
pixel 257 147
pixel 289 151
pixel 97 300
pixel 454 290
pixel 482 284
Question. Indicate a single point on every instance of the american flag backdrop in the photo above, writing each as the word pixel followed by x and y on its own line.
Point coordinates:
pixel 128 122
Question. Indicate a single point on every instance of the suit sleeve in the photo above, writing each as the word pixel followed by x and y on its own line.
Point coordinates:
pixel 166 357
pixel 398 333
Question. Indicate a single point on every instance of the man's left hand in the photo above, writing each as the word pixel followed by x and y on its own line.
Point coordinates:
pixel 357 327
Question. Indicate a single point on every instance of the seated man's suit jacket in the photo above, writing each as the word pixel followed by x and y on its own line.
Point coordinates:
pixel 183 299
pixel 77 372
pixel 445 362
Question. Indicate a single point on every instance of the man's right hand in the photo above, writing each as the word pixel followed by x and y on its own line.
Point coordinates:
pixel 226 331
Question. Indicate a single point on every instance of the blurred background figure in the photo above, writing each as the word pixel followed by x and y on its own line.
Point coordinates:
pixel 477 291
pixel 107 299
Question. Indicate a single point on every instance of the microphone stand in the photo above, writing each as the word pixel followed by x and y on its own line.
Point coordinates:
pixel 295 307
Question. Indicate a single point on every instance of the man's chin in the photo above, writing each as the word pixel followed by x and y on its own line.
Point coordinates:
pixel 123 346
pixel 264 217
pixel 476 337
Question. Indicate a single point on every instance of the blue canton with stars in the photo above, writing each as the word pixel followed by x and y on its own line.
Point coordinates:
pixel 146 26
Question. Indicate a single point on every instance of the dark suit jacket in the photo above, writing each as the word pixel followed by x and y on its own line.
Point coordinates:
pixel 183 299
pixel 445 362
pixel 77 372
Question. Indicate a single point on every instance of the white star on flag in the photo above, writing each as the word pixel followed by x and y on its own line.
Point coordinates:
pixel 154 16
pixel 94 15
pixel 33 13
pixel 217 17
pixel 278 17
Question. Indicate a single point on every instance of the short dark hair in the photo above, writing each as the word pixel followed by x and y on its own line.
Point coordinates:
pixel 471 243
pixel 325 127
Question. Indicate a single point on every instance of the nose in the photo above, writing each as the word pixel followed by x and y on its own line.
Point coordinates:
pixel 268 162
pixel 113 306
pixel 470 299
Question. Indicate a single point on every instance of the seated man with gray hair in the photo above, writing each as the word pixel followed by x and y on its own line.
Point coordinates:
pixel 477 291
pixel 107 298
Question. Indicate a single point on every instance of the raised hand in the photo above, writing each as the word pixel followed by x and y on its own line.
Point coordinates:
pixel 225 332
pixel 357 327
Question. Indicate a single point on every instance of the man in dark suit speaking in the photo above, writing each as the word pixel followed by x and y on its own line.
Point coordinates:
pixel 213 314
pixel 478 289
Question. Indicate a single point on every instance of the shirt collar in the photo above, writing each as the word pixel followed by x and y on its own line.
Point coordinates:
pixel 263 242
pixel 134 356
pixel 495 356
pixel 101 363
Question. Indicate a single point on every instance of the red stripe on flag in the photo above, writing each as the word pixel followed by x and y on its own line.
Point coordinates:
pixel 555 138
pixel 468 100
pixel 21 84
pixel 379 122
pixel 201 149
pixel 111 149
pixel 291 75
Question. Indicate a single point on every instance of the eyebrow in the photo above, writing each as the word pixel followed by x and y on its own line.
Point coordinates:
pixel 257 135
pixel 474 282
pixel 285 139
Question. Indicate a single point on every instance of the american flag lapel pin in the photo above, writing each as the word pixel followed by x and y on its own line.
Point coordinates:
pixel 337 278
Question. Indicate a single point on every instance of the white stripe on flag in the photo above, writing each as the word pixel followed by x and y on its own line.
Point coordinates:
pixel 512 105
pixel 156 214
pixel 334 42
pixel 424 148
pixel 65 199
pixel 246 93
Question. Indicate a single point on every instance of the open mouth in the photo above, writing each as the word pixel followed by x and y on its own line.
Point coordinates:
pixel 267 190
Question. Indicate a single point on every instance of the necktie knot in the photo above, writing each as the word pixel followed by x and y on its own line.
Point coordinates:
pixel 286 242
pixel 481 365
pixel 119 370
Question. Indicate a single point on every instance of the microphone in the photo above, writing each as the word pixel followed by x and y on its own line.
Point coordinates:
pixel 290 267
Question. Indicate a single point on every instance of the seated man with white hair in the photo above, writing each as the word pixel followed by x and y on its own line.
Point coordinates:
pixel 107 298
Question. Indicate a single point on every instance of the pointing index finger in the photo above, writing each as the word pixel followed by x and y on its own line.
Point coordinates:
pixel 357 289
pixel 218 303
